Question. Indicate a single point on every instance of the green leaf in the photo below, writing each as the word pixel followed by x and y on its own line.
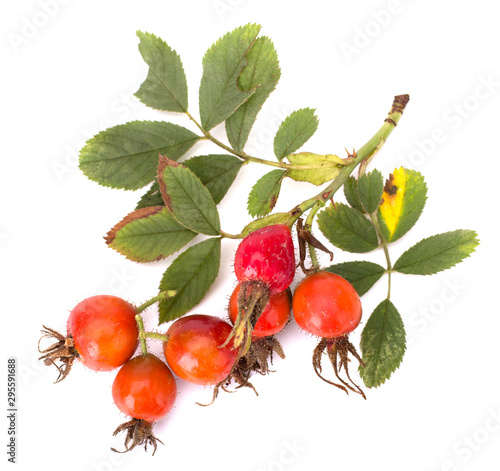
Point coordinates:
pixel 220 95
pixel 347 229
pixel 351 193
pixel 216 171
pixel 383 344
pixel 403 200
pixel 191 274
pixel 265 192
pixel 126 156
pixel 152 197
pixel 319 168
pixel 148 234
pixel 294 132
pixel 187 198
pixel 262 73
pixel 165 87
pixel 437 253
pixel 370 189
pixel 362 275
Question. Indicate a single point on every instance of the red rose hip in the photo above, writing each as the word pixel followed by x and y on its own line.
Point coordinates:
pixel 273 318
pixel 104 331
pixel 264 265
pixel 145 390
pixel 101 332
pixel 195 352
pixel 267 255
pixel 326 305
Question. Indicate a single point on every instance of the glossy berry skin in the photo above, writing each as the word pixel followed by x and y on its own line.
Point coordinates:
pixel 267 254
pixel 273 318
pixel 326 305
pixel 144 388
pixel 104 331
pixel 193 349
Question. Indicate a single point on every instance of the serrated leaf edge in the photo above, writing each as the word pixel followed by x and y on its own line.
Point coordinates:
pixel 380 347
pixel 293 113
pixel 140 35
pixel 474 238
pixel 163 163
pixel 250 92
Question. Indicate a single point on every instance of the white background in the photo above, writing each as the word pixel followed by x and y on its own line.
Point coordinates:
pixel 69 69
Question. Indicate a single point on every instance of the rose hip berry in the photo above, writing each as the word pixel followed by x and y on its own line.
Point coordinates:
pixel 194 349
pixel 275 315
pixel 267 255
pixel 101 331
pixel 273 318
pixel 327 305
pixel 145 390
pixel 264 265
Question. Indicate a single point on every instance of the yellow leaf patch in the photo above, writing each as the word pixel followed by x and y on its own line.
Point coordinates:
pixel 393 197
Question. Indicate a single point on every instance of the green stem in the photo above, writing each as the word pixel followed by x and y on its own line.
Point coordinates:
pixel 159 297
pixel 308 227
pixel 366 153
pixel 385 247
pixel 142 340
pixel 198 125
pixel 229 236
pixel 208 136
pixel 138 318
pixel 155 335
pixel 248 158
